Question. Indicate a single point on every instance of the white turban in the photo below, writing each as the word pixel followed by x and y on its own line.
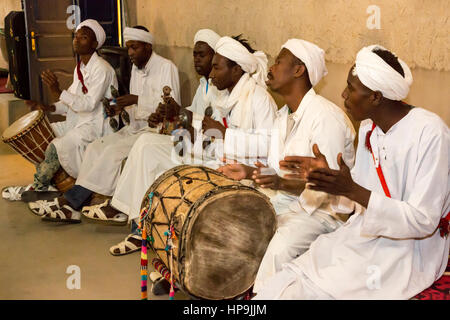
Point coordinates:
pixel 99 32
pixel 311 55
pixel 133 34
pixel 208 36
pixel 255 64
pixel 377 75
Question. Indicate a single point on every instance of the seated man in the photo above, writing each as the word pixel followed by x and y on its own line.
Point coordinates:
pixel 307 119
pixel 103 158
pixel 394 246
pixel 245 105
pixel 81 104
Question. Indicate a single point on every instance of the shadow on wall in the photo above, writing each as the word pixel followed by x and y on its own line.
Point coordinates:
pixel 181 57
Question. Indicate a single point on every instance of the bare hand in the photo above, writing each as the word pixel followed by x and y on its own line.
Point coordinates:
pixel 34 105
pixel 209 124
pixel 126 100
pixel 154 120
pixel 338 182
pixel 236 171
pixel 50 79
pixel 300 166
pixel 264 181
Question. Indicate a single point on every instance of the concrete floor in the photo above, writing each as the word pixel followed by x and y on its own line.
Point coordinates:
pixel 34 255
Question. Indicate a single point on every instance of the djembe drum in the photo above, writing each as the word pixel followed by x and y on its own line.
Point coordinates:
pixel 30 137
pixel 222 230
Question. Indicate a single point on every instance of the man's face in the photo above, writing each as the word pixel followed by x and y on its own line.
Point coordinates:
pixel 84 41
pixel 139 52
pixel 221 74
pixel 281 73
pixel 203 56
pixel 356 98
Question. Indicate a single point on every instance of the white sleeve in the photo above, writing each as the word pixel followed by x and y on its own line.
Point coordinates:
pixel 60 108
pixel 148 102
pixel 253 143
pixel 419 214
pixel 331 138
pixel 98 88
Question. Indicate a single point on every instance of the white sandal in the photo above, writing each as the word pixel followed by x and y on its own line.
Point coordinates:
pixel 60 216
pixel 14 193
pixel 42 207
pixel 96 213
pixel 51 211
pixel 124 245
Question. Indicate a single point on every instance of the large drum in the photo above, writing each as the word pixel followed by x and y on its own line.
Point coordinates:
pixel 222 230
pixel 30 136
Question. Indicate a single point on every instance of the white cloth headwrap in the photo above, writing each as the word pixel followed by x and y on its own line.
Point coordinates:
pixel 311 55
pixel 208 36
pixel 133 34
pixel 99 32
pixel 255 64
pixel 377 75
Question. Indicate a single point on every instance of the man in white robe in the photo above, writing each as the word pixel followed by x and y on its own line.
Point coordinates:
pixel 392 247
pixel 102 161
pixel 82 106
pixel 305 120
pixel 242 105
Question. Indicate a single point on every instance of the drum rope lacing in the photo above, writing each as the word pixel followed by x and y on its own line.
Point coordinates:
pixel 19 146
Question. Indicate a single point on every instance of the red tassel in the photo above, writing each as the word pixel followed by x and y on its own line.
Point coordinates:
pixel 368 135
pixel 444 226
pixel 80 77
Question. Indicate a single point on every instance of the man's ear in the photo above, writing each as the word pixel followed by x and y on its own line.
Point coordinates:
pixel 94 45
pixel 237 71
pixel 376 98
pixel 299 70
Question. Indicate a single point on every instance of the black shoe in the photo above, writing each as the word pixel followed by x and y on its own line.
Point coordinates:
pixel 32 196
pixel 161 287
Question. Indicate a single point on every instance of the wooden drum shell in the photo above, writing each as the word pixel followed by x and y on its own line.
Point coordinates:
pixel 223 229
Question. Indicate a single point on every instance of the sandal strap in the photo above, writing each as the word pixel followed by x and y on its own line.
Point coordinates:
pixel 60 214
pixel 134 236
pixel 96 212
pixel 43 207
pixel 57 214
pixel 14 193
pixel 124 244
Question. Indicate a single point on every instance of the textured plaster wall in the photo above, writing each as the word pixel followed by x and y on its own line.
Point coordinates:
pixel 417 31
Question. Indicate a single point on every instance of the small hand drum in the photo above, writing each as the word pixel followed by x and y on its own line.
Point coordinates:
pixel 30 137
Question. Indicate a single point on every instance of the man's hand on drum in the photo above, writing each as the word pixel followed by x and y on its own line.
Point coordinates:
pixel 50 79
pixel 126 100
pixel 34 105
pixel 211 127
pixel 236 171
